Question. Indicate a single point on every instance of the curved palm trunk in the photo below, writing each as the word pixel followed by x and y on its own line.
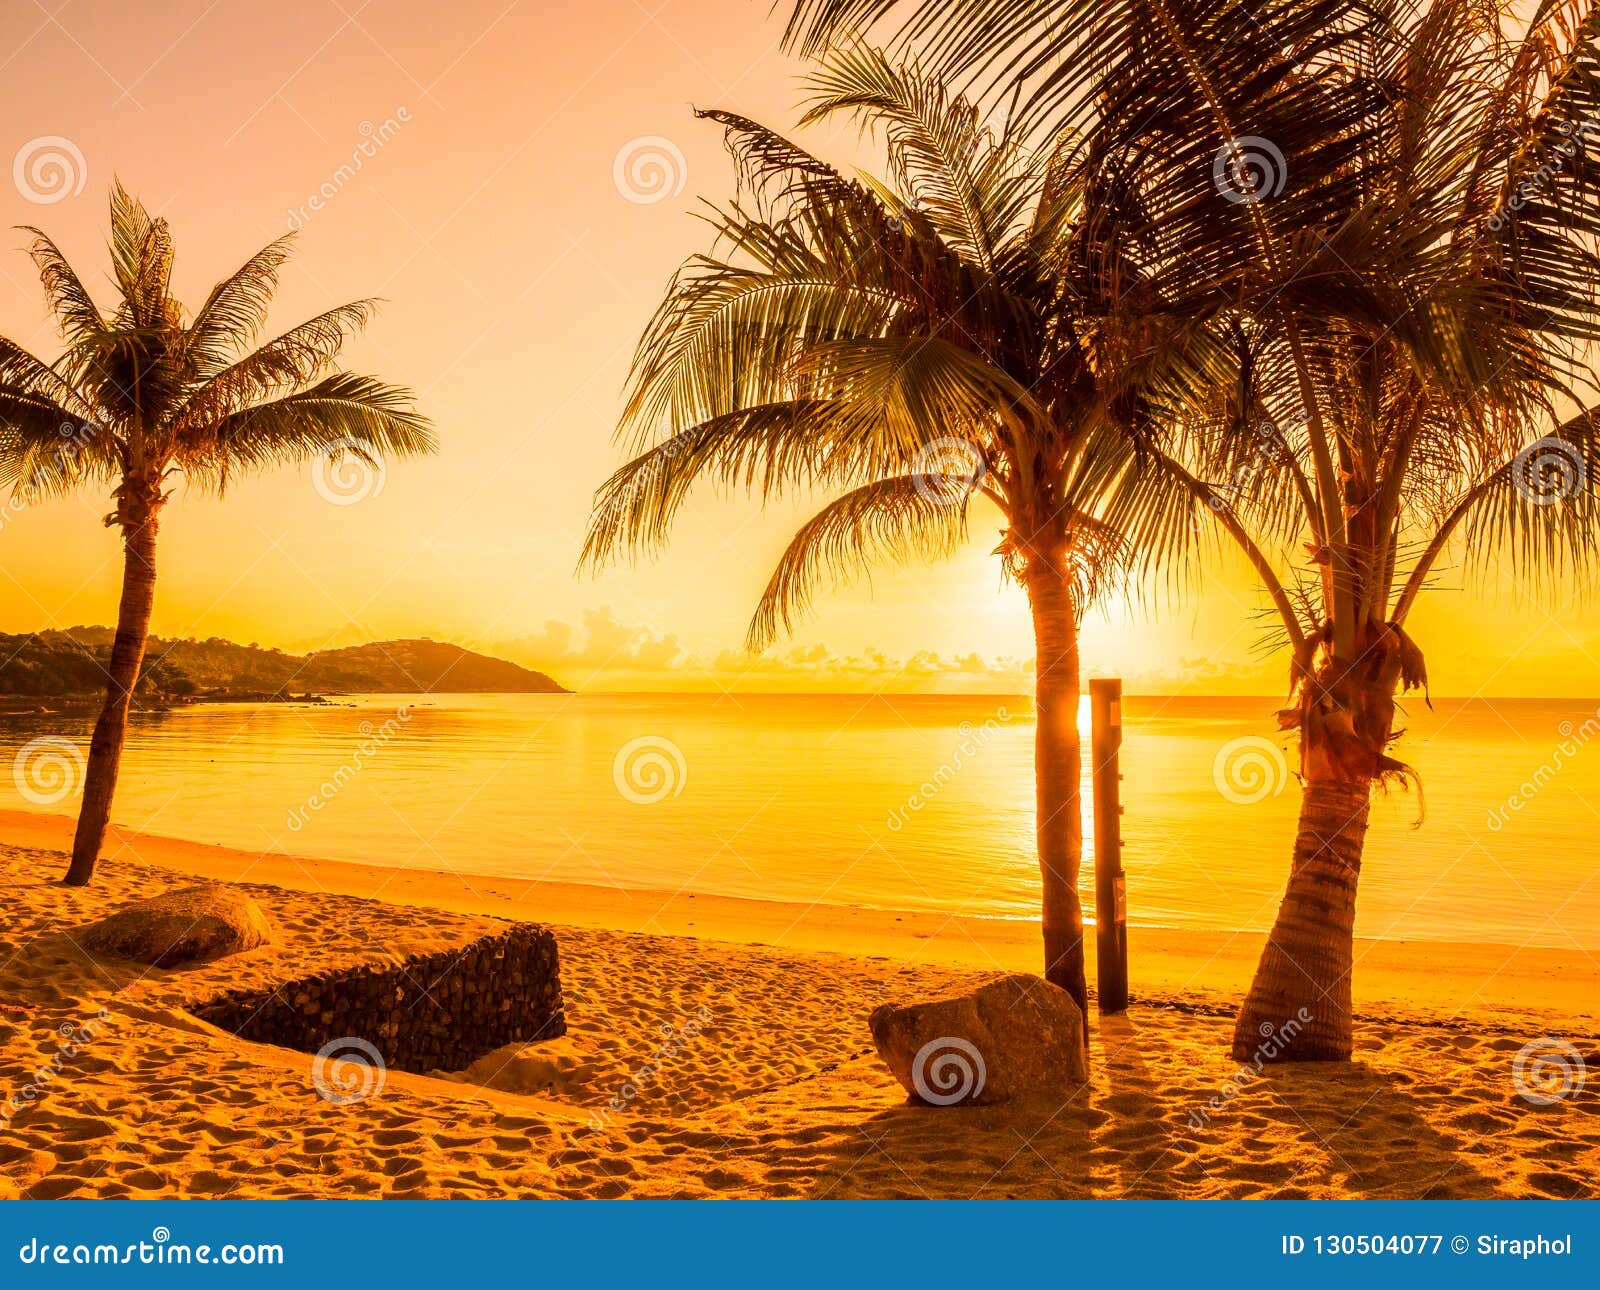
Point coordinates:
pixel 1299 1005
pixel 122 675
pixel 1057 767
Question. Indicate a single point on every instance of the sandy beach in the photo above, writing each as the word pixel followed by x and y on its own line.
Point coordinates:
pixel 777 1094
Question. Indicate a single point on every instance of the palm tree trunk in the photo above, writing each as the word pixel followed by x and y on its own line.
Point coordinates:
pixel 1299 1006
pixel 122 675
pixel 1057 767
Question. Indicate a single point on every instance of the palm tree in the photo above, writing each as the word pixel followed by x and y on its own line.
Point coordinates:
pixel 146 393
pixel 1392 214
pixel 1441 398
pixel 910 345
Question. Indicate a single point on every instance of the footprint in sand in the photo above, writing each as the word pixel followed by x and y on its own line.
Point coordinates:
pixel 207 1182
pixel 225 1135
pixel 56 1187
pixel 722 1179
pixel 1481 1122
pixel 1560 1186
pixel 146 1180
pixel 75 1129
pixel 412 1184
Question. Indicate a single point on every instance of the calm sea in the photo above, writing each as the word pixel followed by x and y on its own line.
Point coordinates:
pixel 921 803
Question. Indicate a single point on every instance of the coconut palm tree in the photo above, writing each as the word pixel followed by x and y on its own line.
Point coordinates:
pixel 1392 212
pixel 911 345
pixel 147 393
pixel 1441 397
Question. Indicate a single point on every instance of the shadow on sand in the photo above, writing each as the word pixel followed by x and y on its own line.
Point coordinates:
pixel 1144 1129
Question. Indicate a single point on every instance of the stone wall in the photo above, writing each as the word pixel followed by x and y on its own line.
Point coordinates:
pixel 438 1012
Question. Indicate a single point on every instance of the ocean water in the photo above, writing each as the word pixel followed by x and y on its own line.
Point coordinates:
pixel 908 803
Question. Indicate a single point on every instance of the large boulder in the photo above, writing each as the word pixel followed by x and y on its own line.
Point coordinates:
pixel 1018 1036
pixel 191 925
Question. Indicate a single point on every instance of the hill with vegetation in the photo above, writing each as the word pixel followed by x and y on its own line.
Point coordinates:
pixel 71 665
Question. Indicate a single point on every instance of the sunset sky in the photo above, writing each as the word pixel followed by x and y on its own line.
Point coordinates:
pixel 518 275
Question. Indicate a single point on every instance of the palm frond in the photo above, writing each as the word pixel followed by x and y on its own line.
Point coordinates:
pixel 919 383
pixel 22 373
pixel 235 312
pixel 772 167
pixel 765 450
pixel 75 310
pixel 343 412
pixel 727 335
pixel 938 145
pixel 299 355
pixel 141 259
pixel 899 518
pixel 46 451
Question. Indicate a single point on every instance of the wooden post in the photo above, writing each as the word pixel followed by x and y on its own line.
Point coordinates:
pixel 1111 905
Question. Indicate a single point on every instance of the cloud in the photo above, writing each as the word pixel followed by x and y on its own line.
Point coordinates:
pixel 603 651
pixel 602 642
pixel 872 668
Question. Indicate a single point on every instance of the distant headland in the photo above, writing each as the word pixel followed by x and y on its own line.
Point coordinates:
pixel 69 666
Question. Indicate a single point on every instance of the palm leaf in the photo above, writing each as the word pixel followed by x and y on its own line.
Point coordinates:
pixel 344 412
pixel 899 518
pixel 299 355
pixel 69 299
pixel 235 311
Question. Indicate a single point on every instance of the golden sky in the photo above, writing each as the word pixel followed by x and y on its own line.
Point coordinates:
pixel 469 163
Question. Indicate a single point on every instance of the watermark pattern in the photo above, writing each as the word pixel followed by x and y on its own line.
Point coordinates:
pixel 673 1039
pixel 75 1036
pixel 1249 769
pixel 74 437
pixel 373 140
pixel 48 770
pixel 1549 471
pixel 373 739
pixel 646 478
pixel 1249 169
pixel 649 769
pixel 1546 1071
pixel 49 169
pixel 348 1070
pixel 974 739
pixel 1574 739
pixel 901 215
pixel 948 470
pixel 1575 139
pixel 649 169
pixel 349 472
pixel 948 1070
pixel 1275 1040
pixel 1269 447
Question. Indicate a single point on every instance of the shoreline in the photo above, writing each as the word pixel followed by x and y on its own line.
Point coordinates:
pixel 1446 981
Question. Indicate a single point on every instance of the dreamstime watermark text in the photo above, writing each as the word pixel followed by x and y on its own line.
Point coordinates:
pixel 974 739
pixel 1575 738
pixel 1575 138
pixel 373 739
pixel 75 1036
pixel 649 1073
pixel 374 138
pixel 160 1250
pixel 1275 1040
